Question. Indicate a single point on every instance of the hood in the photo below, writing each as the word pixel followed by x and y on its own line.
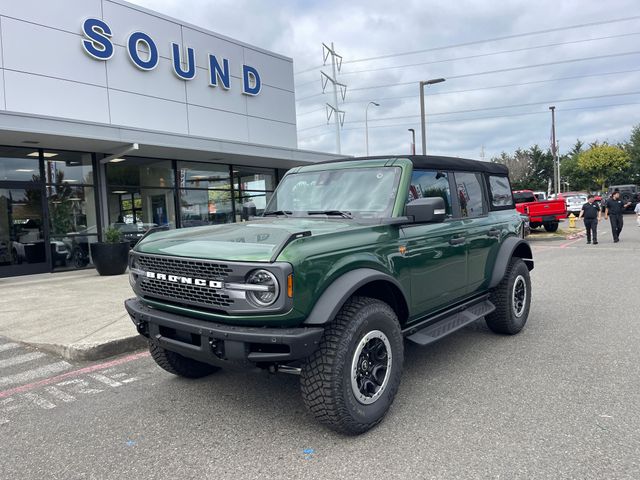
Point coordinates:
pixel 254 241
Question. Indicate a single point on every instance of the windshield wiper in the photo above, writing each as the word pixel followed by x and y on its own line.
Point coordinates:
pixel 339 213
pixel 286 213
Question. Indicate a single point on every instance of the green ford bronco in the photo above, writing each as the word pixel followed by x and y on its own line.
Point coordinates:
pixel 348 260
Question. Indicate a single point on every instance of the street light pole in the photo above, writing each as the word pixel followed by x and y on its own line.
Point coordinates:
pixel 556 170
pixel 422 118
pixel 413 141
pixel 366 125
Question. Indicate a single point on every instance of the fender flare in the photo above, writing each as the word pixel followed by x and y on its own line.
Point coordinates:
pixel 334 297
pixel 512 246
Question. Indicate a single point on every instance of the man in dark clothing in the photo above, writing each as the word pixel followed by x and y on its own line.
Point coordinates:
pixel 614 209
pixel 591 214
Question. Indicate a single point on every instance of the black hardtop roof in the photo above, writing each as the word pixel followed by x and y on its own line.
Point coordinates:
pixel 439 163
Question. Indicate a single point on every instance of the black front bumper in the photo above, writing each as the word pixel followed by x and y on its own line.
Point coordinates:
pixel 218 344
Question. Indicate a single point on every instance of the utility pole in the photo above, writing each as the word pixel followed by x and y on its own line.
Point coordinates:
pixel 336 65
pixel 556 169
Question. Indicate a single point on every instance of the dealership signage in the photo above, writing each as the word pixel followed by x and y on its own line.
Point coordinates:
pixel 97 43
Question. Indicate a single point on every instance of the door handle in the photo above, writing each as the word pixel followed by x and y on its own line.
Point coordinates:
pixel 457 241
pixel 494 232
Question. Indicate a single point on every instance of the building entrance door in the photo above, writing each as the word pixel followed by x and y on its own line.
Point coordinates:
pixel 24 243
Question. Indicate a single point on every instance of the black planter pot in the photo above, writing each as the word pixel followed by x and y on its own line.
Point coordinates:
pixel 110 258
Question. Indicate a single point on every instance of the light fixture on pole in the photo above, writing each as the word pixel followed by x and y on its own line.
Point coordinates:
pixel 366 125
pixel 413 141
pixel 422 119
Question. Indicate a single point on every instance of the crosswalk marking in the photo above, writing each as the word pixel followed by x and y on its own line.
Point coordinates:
pixel 8 346
pixel 39 401
pixel 18 359
pixel 104 379
pixel 60 395
pixel 34 373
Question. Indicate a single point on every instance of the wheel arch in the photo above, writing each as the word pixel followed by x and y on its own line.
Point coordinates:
pixel 365 282
pixel 511 247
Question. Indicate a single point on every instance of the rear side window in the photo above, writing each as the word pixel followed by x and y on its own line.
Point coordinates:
pixel 470 194
pixel 430 183
pixel 500 192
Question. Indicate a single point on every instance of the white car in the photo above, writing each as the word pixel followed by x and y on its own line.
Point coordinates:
pixel 575 203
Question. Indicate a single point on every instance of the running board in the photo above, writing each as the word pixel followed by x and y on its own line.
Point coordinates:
pixel 451 323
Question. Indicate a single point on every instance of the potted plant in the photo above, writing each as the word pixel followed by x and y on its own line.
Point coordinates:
pixel 111 256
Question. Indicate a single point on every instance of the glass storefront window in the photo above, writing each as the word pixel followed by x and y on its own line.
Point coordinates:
pixel 203 175
pixel 259 199
pixel 19 164
pixel 146 207
pixel 140 172
pixel 70 167
pixel 246 178
pixel 71 209
pixel 205 207
pixel 22 239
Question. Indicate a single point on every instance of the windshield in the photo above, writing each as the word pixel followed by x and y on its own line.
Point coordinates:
pixel 523 197
pixel 358 192
pixel 577 199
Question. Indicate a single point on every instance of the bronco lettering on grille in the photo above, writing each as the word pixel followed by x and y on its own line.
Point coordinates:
pixel 201 282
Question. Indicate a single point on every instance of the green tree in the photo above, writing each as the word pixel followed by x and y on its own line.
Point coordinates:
pixel 602 162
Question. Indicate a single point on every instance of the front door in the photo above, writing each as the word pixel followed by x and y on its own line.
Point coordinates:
pixel 24 246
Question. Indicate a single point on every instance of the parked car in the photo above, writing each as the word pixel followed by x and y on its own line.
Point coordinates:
pixel 575 202
pixel 547 213
pixel 628 193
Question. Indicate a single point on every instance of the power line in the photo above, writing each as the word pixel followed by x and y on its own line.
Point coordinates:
pixel 486 40
pixel 468 57
pixel 480 55
pixel 591 97
pixel 490 87
pixel 472 119
pixel 489 72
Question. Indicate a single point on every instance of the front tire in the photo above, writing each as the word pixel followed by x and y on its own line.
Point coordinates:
pixel 512 299
pixel 350 382
pixel 178 365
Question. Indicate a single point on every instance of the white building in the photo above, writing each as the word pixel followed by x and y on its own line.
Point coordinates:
pixel 114 114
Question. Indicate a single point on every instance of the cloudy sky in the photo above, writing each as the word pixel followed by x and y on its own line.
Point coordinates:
pixel 581 56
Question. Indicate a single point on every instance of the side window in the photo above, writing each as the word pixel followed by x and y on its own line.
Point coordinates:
pixel 500 192
pixel 430 183
pixel 470 194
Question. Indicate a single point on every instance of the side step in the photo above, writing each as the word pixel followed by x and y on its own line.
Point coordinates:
pixel 451 323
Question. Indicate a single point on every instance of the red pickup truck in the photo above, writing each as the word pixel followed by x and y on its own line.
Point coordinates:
pixel 547 213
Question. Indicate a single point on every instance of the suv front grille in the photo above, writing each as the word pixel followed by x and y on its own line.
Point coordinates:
pixel 179 292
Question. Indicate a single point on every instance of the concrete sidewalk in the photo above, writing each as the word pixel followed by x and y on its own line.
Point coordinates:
pixel 78 315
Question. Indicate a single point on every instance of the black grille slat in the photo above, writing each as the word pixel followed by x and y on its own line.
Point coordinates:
pixel 190 268
pixel 184 292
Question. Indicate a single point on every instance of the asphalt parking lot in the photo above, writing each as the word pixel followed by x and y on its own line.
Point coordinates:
pixel 559 400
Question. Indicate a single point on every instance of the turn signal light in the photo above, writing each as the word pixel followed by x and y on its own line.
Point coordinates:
pixel 290 285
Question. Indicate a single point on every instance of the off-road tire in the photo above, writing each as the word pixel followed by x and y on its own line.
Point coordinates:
pixel 326 375
pixel 503 319
pixel 178 365
pixel 551 226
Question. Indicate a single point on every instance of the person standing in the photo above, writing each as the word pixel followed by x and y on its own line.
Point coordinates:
pixel 591 214
pixel 637 212
pixel 614 209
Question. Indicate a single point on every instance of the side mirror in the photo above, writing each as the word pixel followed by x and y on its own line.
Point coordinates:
pixel 426 210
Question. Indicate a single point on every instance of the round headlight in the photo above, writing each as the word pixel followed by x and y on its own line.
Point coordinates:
pixel 269 289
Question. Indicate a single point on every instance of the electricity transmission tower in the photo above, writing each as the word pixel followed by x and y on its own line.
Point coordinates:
pixel 333 109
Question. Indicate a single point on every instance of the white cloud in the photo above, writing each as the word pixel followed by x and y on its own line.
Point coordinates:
pixel 362 29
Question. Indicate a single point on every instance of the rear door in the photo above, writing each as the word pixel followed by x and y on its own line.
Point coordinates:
pixel 480 233
pixel 436 254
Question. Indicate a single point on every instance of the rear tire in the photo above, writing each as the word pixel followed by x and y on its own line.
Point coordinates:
pixel 178 365
pixel 349 383
pixel 551 227
pixel 512 299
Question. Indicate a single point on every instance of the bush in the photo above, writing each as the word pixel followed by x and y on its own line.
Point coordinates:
pixel 112 235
